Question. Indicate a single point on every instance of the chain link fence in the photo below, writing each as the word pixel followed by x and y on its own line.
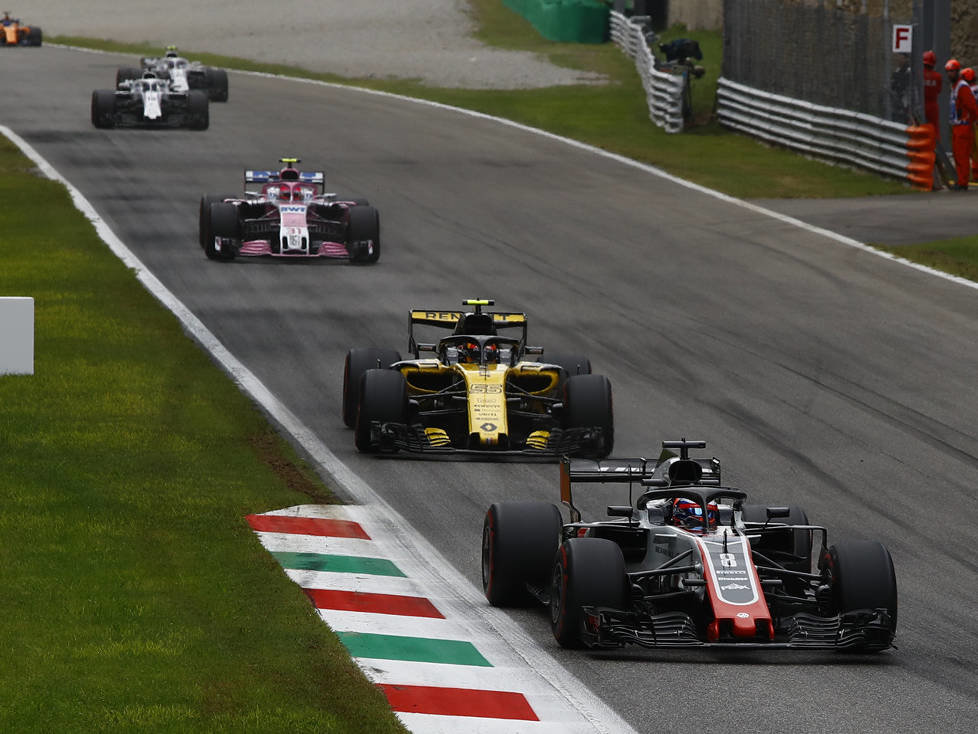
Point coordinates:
pixel 834 53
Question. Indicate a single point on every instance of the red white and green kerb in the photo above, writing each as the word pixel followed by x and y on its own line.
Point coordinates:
pixel 441 669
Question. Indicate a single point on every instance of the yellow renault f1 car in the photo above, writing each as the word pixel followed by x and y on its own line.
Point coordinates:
pixel 480 392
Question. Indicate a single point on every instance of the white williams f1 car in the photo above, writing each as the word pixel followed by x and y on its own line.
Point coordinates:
pixel 149 102
pixel 182 74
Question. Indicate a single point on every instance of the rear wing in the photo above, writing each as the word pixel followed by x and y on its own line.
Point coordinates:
pixel 451 319
pixel 264 177
pixel 666 471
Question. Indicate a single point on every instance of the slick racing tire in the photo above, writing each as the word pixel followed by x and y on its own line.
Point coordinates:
pixel 364 225
pixel 223 223
pixel 795 542
pixel 383 397
pixel 863 577
pixel 126 73
pixel 198 114
pixel 217 84
pixel 519 540
pixel 587 572
pixel 588 404
pixel 205 234
pixel 573 364
pixel 103 108
pixel 35 37
pixel 357 362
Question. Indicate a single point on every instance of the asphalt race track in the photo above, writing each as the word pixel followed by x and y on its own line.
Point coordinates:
pixel 819 374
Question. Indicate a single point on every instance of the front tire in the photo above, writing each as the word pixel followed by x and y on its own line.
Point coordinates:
pixel 198 113
pixel 103 108
pixel 365 225
pixel 357 362
pixel 224 223
pixel 588 572
pixel 588 404
pixel 519 540
pixel 217 84
pixel 863 577
pixel 383 397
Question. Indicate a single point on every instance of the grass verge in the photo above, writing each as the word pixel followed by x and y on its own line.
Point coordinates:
pixel 958 256
pixel 136 597
pixel 612 116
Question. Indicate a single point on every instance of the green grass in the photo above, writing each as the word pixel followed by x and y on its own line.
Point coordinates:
pixel 958 256
pixel 135 596
pixel 611 116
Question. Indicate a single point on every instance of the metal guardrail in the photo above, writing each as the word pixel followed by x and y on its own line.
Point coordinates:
pixel 841 135
pixel 663 91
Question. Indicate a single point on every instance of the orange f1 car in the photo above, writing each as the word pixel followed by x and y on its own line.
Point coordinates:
pixel 15 33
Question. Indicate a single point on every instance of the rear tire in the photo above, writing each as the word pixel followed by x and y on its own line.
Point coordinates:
pixel 365 225
pixel 573 364
pixel 587 572
pixel 126 73
pixel 357 362
pixel 588 404
pixel 224 222
pixel 103 108
pixel 383 397
pixel 217 84
pixel 800 544
pixel 198 113
pixel 863 577
pixel 519 540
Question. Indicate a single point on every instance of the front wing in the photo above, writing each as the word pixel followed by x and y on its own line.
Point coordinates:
pixel 561 442
pixel 867 630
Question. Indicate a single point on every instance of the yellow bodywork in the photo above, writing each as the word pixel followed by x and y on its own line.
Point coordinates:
pixel 485 387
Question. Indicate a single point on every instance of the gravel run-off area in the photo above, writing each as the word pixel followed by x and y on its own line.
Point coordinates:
pixel 427 40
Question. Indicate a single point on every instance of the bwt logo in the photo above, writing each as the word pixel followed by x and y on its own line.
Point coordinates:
pixel 292 209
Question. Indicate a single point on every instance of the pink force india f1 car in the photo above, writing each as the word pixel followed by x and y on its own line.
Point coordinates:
pixel 290 216
pixel 689 564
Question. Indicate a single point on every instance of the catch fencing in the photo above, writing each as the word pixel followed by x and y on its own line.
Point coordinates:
pixel 841 135
pixel 663 91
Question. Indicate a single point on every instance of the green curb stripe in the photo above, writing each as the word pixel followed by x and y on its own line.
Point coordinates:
pixel 337 564
pixel 415 649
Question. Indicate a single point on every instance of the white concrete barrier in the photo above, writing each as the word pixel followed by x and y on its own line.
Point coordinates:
pixel 16 335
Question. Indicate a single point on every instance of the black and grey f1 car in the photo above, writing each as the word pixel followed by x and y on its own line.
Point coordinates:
pixel 149 102
pixel 479 392
pixel 182 74
pixel 689 564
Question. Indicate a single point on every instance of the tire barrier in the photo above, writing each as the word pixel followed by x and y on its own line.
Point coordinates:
pixel 574 21
pixel 837 135
pixel 663 91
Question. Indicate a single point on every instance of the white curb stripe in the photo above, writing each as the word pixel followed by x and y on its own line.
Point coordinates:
pixel 470 725
pixel 363 583
pixel 292 543
pixel 430 628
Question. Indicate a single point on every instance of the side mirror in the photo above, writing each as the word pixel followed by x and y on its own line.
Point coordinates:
pixel 533 350
pixel 619 511
pixel 773 512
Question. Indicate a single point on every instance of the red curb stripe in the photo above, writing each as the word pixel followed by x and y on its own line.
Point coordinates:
pixel 306 526
pixel 458 702
pixel 359 601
